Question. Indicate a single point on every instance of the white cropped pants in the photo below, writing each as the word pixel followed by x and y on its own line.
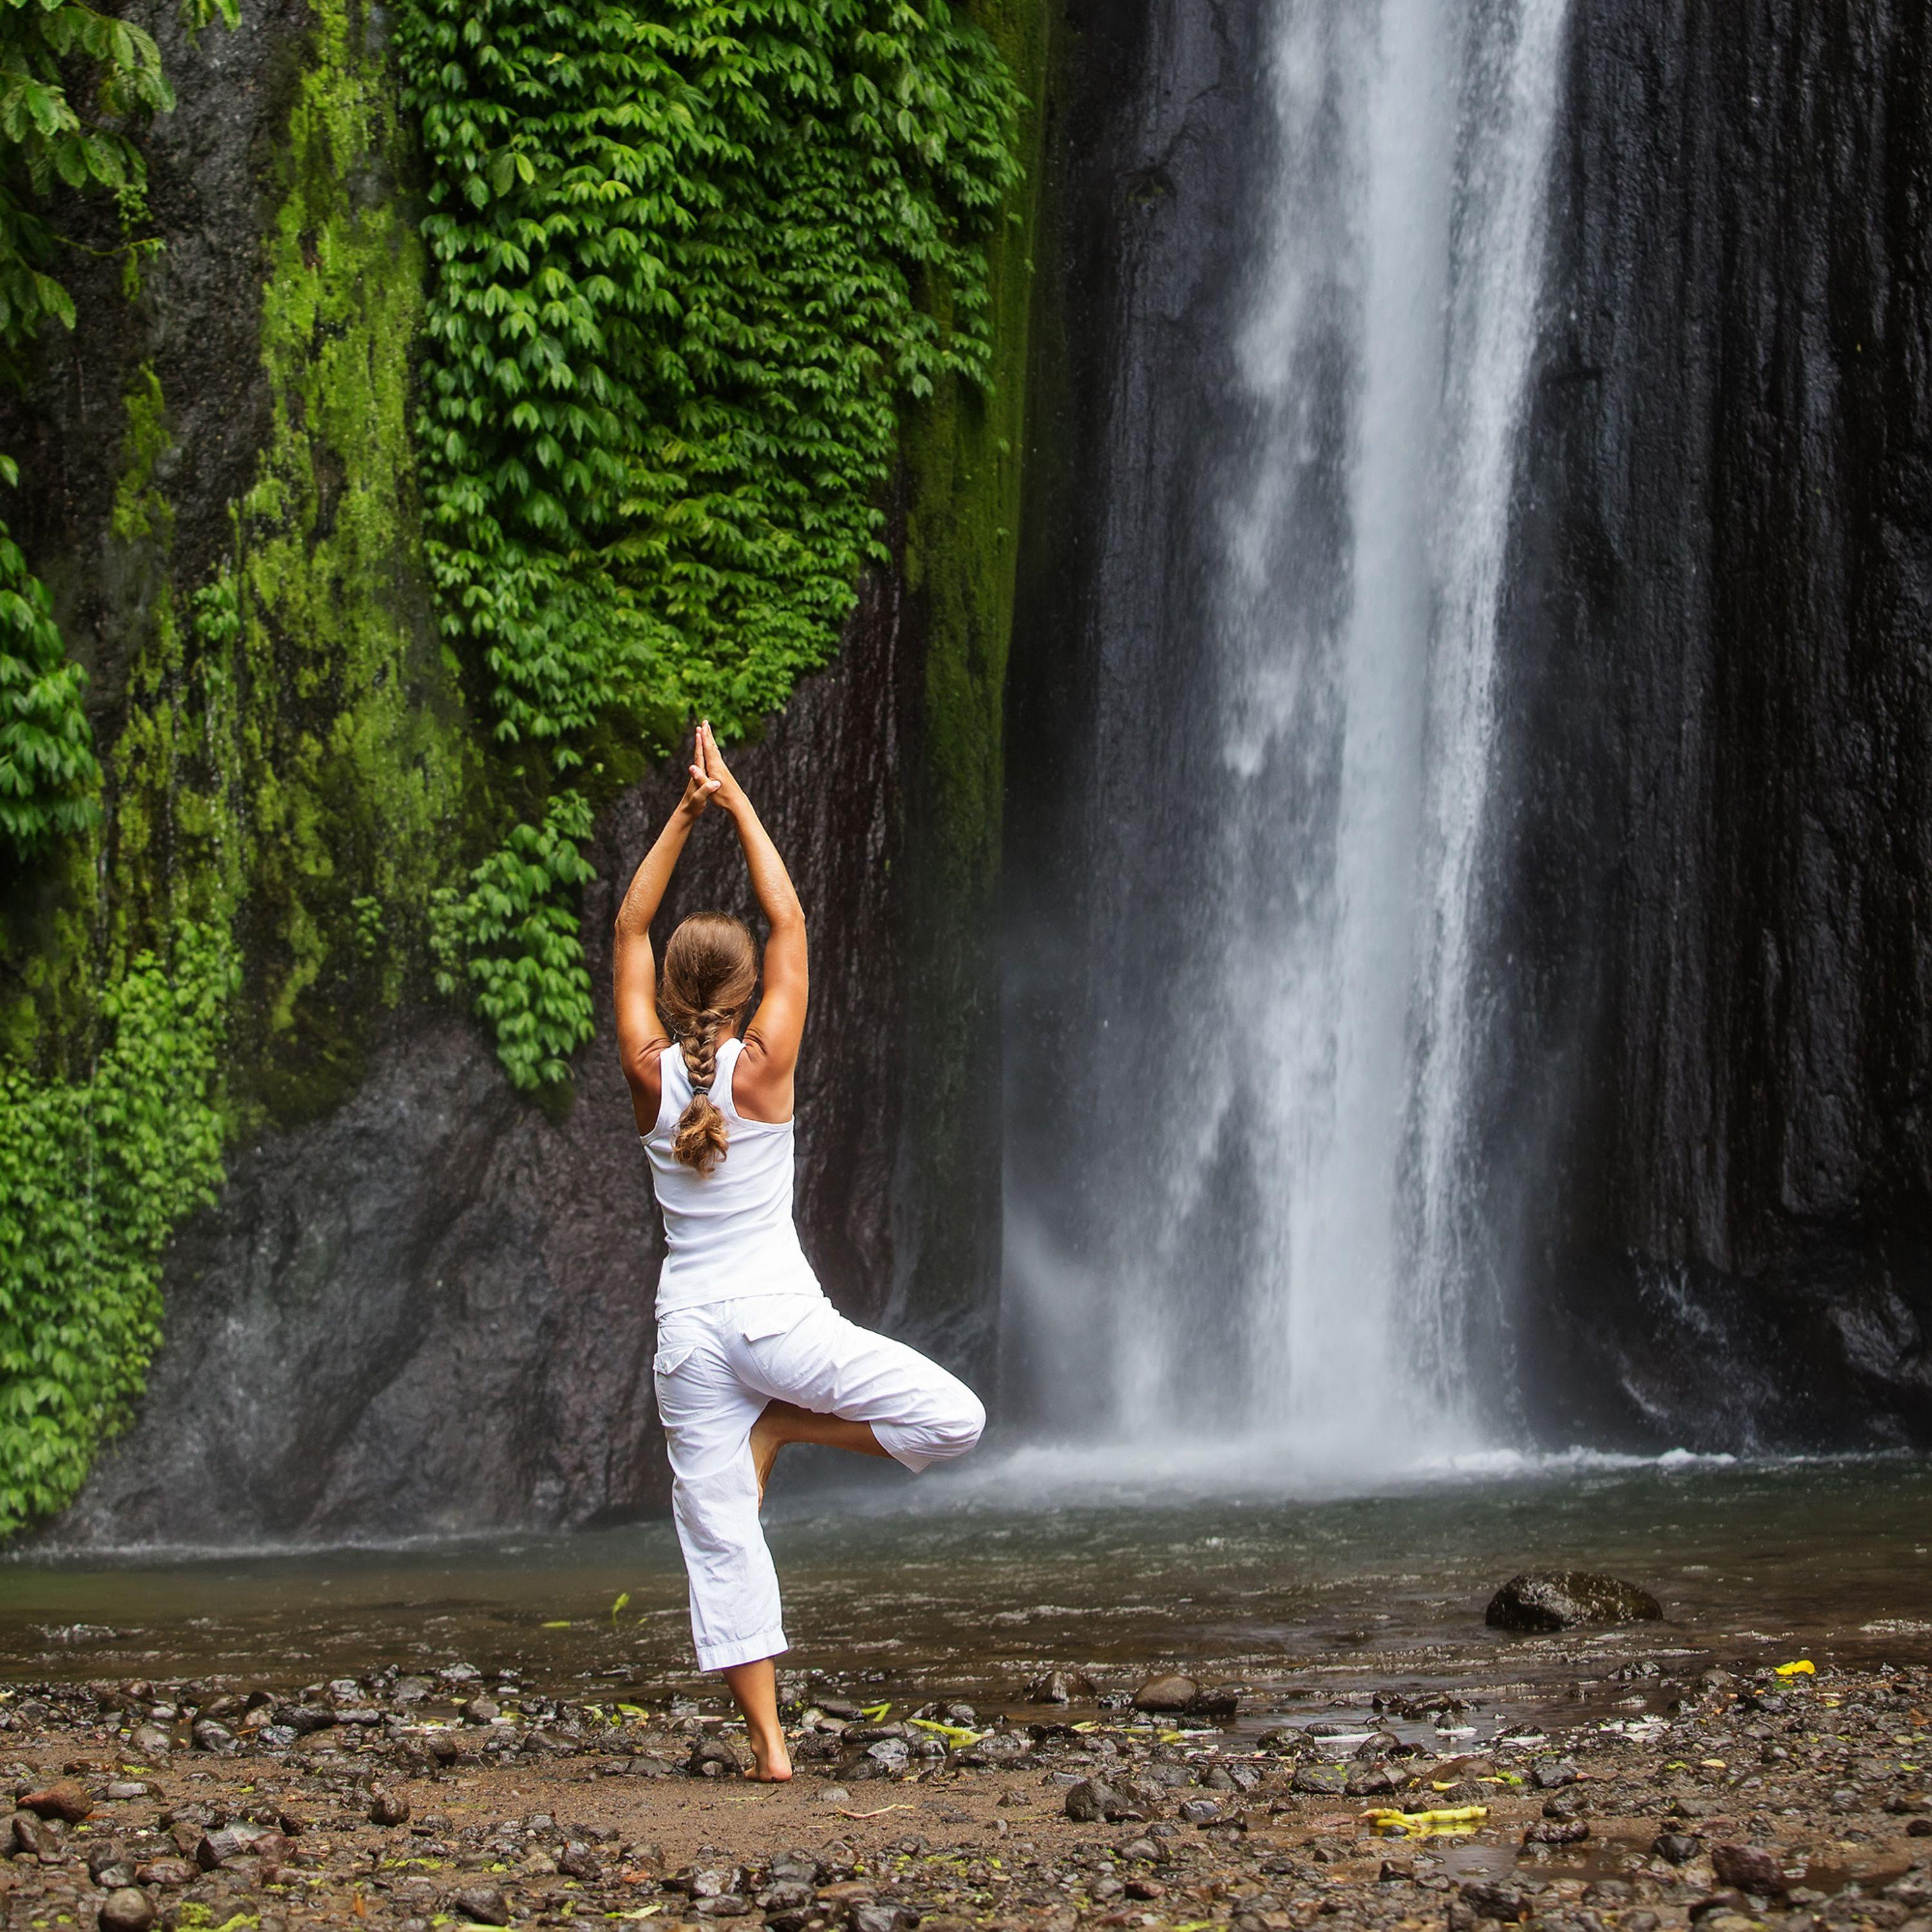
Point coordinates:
pixel 716 1367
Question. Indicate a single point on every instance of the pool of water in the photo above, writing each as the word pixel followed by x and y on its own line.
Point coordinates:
pixel 971 1582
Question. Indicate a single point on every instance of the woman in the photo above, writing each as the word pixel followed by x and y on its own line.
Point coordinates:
pixel 751 1355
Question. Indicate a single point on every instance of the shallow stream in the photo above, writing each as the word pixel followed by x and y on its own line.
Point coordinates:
pixel 970 1583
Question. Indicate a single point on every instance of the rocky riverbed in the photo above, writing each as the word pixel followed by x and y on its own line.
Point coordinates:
pixel 1733 1799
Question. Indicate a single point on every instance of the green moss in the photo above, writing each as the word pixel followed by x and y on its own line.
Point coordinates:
pixel 360 773
pixel 963 454
pixel 140 509
pixel 294 772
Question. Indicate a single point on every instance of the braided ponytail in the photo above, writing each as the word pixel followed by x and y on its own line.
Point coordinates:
pixel 709 969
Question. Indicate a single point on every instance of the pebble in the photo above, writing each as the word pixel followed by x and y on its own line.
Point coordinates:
pixel 126 1909
pixel 1120 1827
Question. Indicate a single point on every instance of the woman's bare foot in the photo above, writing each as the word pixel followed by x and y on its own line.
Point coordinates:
pixel 774 1761
pixel 755 1686
pixel 768 1438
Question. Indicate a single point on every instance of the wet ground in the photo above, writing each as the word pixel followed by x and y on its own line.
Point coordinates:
pixel 969 1587
pixel 1739 1801
pixel 510 1731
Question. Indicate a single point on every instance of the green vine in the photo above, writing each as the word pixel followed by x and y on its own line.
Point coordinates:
pixel 515 938
pixel 48 774
pixel 689 264
pixel 94 1174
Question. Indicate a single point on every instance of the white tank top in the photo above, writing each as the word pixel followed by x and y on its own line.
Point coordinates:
pixel 729 1232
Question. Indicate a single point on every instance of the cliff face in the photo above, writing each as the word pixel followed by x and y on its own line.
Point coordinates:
pixel 1719 857
pixel 431 1309
pixel 422 1300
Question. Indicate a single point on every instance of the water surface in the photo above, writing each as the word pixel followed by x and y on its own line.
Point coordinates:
pixel 969 1582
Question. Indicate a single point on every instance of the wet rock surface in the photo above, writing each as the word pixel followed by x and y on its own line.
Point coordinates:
pixel 1556 1600
pixel 1713 865
pixel 438 1248
pixel 1810 1801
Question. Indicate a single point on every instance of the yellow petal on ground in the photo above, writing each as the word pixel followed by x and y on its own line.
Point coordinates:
pixel 955 1734
pixel 1803 1667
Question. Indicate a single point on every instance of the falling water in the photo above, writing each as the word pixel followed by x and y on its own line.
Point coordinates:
pixel 1272 1217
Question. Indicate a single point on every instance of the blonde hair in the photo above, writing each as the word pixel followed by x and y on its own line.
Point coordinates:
pixel 710 967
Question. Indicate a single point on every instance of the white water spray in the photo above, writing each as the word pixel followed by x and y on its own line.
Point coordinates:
pixel 1329 1027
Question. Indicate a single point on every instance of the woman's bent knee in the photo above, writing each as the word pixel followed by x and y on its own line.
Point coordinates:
pixel 961 1428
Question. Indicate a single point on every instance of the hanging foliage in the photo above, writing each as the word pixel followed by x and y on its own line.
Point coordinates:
pixel 691 262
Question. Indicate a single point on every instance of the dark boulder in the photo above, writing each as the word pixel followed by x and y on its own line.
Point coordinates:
pixel 1555 1599
pixel 1748 1869
pixel 1166 1691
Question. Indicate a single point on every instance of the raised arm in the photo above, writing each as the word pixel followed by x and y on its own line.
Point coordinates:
pixel 641 1035
pixel 762 1088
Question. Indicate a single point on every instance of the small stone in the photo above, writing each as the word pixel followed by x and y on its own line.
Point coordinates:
pixel 65 1801
pixel 126 1909
pixel 1169 1692
pixel 122 1790
pixel 389 1807
pixel 835 1794
pixel 712 1757
pixel 1674 1847
pixel 1220 1701
pixel 1392 1873
pixel 1727 1904
pixel 35 1836
pixel 1557 1831
pixel 1146 1889
pixel 1088 1802
pixel 1059 1687
pixel 1198 1811
pixel 579 1862
pixel 113 1873
pixel 151 1741
pixel 304 1718
pixel 786 1895
pixel 727 1905
pixel 210 1736
pixel 169 1872
pixel 1919 1828
pixel 1320 1780
pixel 1554 1601
pixel 484 1904
pixel 481 1711
pixel 1495 1901
pixel 881 1916
pixel 1552 1774
pixel 1746 1868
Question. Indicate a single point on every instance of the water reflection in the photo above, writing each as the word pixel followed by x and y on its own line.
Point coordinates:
pixel 973 1584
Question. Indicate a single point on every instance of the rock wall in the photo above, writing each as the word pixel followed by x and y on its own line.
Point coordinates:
pixel 422 1302
pixel 1718 852
pixel 430 1309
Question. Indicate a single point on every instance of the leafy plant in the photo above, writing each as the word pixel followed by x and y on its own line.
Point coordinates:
pixel 690 262
pixel 516 932
pixel 48 772
pixel 94 1174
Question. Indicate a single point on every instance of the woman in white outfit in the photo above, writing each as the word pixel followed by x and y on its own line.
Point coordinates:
pixel 751 1354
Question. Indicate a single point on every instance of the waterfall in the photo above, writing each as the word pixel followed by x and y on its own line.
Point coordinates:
pixel 1265 1211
